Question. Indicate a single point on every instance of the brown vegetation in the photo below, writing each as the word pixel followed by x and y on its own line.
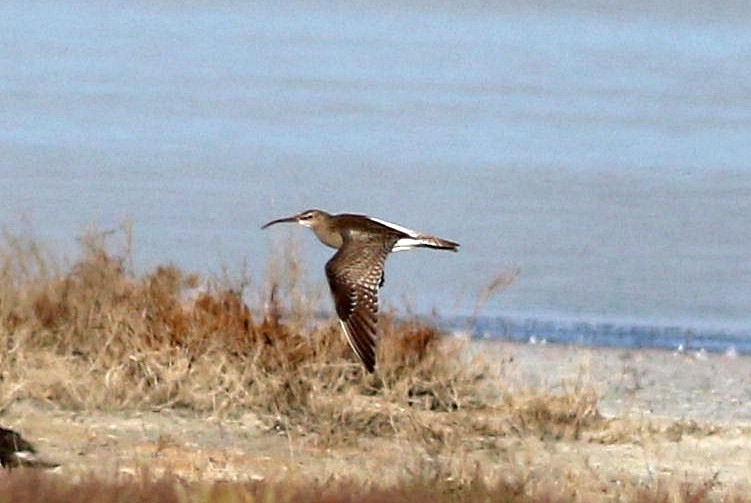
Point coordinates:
pixel 97 336
pixel 36 487
pixel 118 340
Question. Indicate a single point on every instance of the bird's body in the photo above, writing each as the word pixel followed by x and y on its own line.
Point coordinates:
pixel 16 451
pixel 355 272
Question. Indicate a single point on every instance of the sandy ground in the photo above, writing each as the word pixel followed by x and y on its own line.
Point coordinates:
pixel 699 386
pixel 699 403
pixel 683 417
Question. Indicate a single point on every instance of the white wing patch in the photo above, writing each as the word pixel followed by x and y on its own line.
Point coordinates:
pixel 399 228
pixel 415 238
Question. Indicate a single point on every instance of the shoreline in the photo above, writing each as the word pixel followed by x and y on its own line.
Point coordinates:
pixel 608 333
pixel 690 385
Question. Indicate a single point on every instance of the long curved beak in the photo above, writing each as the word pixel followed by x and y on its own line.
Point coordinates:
pixel 280 221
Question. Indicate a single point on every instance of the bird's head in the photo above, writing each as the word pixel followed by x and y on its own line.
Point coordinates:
pixel 308 218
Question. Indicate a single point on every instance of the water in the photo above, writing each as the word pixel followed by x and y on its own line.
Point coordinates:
pixel 602 151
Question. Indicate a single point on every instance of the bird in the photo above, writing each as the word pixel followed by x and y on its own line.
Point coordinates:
pixel 355 273
pixel 16 451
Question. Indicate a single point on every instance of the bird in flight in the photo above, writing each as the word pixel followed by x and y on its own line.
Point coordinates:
pixel 355 272
pixel 16 451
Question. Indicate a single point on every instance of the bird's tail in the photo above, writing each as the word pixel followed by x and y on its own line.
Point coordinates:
pixel 425 241
pixel 29 458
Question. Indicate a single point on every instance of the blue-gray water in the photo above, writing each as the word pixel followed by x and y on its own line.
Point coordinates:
pixel 603 151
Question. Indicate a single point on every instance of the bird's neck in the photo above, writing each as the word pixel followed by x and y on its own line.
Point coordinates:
pixel 327 235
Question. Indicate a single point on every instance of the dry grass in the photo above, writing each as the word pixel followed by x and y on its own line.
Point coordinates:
pixel 37 487
pixel 96 335
pixel 40 488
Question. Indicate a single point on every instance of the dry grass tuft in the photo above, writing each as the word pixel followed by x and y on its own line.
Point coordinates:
pixel 554 416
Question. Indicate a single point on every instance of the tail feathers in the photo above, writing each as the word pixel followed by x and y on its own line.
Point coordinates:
pixel 441 244
pixel 425 241
pixel 16 451
pixel 28 458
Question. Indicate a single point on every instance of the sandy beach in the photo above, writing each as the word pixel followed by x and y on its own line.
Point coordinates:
pixel 665 416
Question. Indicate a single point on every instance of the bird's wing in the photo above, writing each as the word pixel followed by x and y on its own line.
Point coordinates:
pixel 355 273
pixel 12 441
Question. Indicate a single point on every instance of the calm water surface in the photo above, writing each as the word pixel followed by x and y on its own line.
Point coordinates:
pixel 605 154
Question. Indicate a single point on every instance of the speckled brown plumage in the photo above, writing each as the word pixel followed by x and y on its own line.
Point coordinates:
pixel 355 272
